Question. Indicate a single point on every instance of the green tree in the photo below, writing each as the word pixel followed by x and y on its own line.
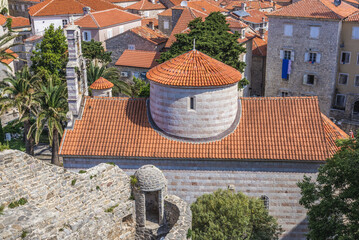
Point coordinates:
pixel 94 50
pixel 332 199
pixel 213 37
pixel 226 215
pixel 18 91
pixel 140 88
pixel 52 99
pixel 50 56
pixel 94 72
pixel 6 42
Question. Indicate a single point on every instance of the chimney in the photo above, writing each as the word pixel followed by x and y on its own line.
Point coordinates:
pixel 243 33
pixel 76 76
pixel 274 6
pixel 151 25
pixel 86 10
pixel 243 6
pixel 262 29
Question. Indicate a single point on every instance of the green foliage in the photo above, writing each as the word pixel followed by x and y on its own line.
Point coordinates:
pixel 131 197
pixel 6 42
pixel 17 144
pixel 73 182
pixel 8 24
pixel 94 50
pixel 134 180
pixel 23 234
pixel 332 199
pixel 92 176
pixel 140 88
pixel 2 135
pixel 14 127
pixel 111 163
pixel 4 146
pixel 189 233
pixel 225 215
pixel 82 171
pixel 2 207
pixel 4 11
pixel 110 209
pixel 94 72
pixel 213 37
pixel 50 56
pixel 97 188
pixel 20 202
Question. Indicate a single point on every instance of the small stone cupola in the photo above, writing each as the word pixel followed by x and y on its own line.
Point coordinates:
pixel 102 88
pixel 194 97
pixel 149 192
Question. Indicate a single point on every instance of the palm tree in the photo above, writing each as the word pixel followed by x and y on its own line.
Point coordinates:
pixel 18 91
pixel 6 42
pixel 52 99
pixel 94 72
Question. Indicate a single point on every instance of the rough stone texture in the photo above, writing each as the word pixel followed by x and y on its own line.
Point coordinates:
pixel 258 69
pixel 56 209
pixel 189 179
pixel 301 43
pixel 214 113
pixel 178 217
pixel 161 20
pixel 150 178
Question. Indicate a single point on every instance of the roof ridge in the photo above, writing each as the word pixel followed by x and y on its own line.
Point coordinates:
pixel 340 17
pixel 43 7
pixel 93 18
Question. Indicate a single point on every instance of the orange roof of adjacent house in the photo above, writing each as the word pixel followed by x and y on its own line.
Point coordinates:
pixel 106 18
pixel 353 18
pixel 204 6
pixel 259 47
pixel 290 128
pixel 68 7
pixel 319 9
pixel 19 22
pixel 194 69
pixel 250 4
pixel 154 36
pixel 146 5
pixel 137 58
pixel 234 23
pixel 2 19
pixel 9 60
pixel 145 22
pixel 101 83
pixel 255 16
pixel 167 12
pixel 187 15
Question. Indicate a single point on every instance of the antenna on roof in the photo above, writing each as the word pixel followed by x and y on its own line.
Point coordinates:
pixel 194 44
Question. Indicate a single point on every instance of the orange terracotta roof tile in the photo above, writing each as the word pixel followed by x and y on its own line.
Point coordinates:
pixel 204 6
pixel 167 12
pixel 269 129
pixel 120 1
pixel 33 38
pixel 68 7
pixel 137 58
pixel 353 18
pixel 259 47
pixel 146 5
pixel 248 36
pixel 145 22
pixel 155 36
pixel 19 22
pixel 355 2
pixel 106 18
pixel 319 9
pixel 234 23
pixel 187 15
pixel 255 16
pixel 9 60
pixel 250 4
pixel 194 69
pixel 2 19
pixel 101 83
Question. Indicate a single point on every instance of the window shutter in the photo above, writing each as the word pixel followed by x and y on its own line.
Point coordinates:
pixel 281 54
pixel 318 57
pixel 292 56
pixel 306 57
pixel 305 79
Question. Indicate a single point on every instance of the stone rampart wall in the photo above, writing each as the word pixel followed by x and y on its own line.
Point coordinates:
pixel 62 204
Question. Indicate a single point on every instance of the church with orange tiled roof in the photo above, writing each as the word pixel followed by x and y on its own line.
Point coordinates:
pixel 196 129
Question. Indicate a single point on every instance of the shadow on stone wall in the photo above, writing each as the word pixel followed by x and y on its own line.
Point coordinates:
pixel 298 232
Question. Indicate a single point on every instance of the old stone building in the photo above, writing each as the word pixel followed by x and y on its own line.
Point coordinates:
pixel 203 137
pixel 43 201
pixel 258 68
pixel 139 38
pixel 298 63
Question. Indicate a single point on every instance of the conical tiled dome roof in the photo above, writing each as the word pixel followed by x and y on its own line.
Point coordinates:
pixel 101 83
pixel 194 69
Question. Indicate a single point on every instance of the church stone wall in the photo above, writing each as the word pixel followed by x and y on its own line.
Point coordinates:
pixel 214 112
pixel 190 179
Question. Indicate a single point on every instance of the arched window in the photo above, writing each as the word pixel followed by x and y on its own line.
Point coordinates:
pixel 265 200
